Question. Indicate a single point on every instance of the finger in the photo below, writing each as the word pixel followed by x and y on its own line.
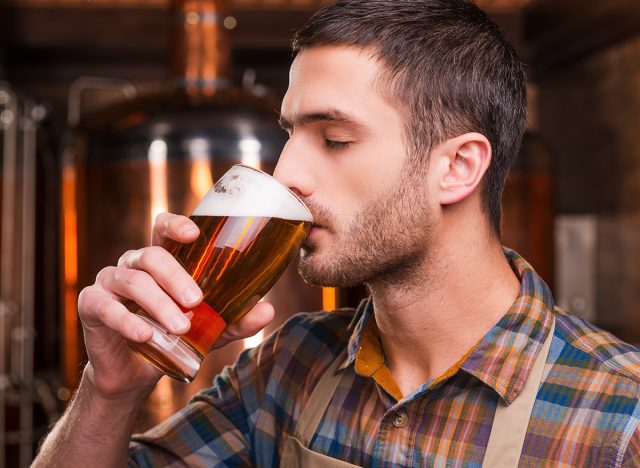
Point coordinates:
pixel 96 309
pixel 250 324
pixel 125 259
pixel 166 271
pixel 171 227
pixel 141 288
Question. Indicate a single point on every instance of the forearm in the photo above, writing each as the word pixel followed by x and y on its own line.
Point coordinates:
pixel 91 429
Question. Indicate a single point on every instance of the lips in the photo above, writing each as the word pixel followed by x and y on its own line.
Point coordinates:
pixel 316 228
pixel 314 232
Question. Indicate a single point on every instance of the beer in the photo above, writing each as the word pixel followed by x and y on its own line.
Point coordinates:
pixel 236 265
pixel 251 227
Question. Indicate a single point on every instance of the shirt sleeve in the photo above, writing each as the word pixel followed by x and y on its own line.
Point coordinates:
pixel 632 453
pixel 212 430
pixel 217 427
pixel 248 406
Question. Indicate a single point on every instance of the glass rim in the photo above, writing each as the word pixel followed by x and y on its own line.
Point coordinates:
pixel 279 183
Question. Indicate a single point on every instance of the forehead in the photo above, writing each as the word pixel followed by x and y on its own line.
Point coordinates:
pixel 338 78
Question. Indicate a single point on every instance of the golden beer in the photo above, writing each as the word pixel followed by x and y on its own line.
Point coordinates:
pixel 235 260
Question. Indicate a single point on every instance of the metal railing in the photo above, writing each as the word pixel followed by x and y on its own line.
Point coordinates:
pixel 18 126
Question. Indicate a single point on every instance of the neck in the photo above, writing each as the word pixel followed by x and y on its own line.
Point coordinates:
pixel 426 326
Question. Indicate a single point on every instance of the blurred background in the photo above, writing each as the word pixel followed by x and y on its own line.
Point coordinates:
pixel 112 111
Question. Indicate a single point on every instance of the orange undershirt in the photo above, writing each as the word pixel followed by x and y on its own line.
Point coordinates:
pixel 370 362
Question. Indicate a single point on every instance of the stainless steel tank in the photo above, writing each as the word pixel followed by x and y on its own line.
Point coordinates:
pixel 28 302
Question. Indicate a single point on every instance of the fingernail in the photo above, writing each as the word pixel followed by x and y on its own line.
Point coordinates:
pixel 191 295
pixel 179 323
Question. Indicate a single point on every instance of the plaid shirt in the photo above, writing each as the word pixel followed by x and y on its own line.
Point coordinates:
pixel 586 411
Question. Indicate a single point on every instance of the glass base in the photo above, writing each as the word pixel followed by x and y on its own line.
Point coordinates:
pixel 168 354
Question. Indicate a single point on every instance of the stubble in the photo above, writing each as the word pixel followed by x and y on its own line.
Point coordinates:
pixel 386 242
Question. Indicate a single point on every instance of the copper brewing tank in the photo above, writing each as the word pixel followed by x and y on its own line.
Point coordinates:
pixel 162 152
pixel 528 207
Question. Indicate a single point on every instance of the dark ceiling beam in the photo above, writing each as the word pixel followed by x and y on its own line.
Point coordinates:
pixel 133 32
pixel 97 29
pixel 68 41
pixel 143 32
pixel 557 32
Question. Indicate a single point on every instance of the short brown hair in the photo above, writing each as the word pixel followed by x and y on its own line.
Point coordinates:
pixel 447 64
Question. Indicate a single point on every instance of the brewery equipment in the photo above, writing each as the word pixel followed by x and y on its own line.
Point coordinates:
pixel 161 152
pixel 27 199
pixel 528 206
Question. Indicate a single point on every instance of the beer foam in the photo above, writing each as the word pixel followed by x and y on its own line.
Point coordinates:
pixel 243 191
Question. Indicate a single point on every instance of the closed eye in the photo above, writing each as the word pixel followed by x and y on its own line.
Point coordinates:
pixel 332 144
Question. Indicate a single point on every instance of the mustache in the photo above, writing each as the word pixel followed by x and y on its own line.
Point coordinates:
pixel 321 216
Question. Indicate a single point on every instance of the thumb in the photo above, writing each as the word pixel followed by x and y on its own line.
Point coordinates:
pixel 250 324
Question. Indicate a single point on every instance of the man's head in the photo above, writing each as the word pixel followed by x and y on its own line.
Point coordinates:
pixel 393 110
pixel 447 65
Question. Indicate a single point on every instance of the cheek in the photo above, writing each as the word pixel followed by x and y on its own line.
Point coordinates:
pixel 350 181
pixel 343 198
pixel 380 169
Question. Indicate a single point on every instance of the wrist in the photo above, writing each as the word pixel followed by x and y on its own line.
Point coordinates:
pixel 94 427
pixel 111 403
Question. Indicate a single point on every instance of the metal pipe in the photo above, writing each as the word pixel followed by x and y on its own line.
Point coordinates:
pixel 85 83
pixel 69 212
pixel 8 124
pixel 25 330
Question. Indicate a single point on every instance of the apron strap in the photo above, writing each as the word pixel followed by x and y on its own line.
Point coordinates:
pixel 510 423
pixel 319 401
pixel 509 427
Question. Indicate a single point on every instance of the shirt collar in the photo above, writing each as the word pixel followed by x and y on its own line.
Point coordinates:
pixel 363 314
pixel 503 358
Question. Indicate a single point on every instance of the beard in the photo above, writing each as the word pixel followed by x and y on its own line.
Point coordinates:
pixel 384 242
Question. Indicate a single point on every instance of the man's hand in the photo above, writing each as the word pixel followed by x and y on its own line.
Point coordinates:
pixel 152 279
pixel 98 422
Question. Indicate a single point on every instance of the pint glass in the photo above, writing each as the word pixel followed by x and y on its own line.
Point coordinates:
pixel 251 227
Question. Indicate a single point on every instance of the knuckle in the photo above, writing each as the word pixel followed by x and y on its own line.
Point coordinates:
pixel 176 222
pixel 124 258
pixel 160 218
pixel 129 322
pixel 161 223
pixel 133 259
pixel 149 256
pixel 128 277
pixel 84 299
pixel 118 273
pixel 104 273
pixel 133 277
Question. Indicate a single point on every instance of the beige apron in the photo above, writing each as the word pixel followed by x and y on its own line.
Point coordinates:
pixel 505 442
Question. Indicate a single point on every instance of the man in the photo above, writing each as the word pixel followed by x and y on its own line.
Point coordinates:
pixel 404 117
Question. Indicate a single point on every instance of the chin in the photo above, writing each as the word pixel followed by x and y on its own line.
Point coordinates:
pixel 326 275
pixel 311 271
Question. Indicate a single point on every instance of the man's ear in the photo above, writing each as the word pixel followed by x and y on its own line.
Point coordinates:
pixel 461 163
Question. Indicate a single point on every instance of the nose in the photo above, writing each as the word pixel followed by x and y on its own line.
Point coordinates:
pixel 293 172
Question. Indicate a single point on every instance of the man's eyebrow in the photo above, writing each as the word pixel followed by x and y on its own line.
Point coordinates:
pixel 330 115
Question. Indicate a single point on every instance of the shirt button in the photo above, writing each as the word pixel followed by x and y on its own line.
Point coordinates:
pixel 400 419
